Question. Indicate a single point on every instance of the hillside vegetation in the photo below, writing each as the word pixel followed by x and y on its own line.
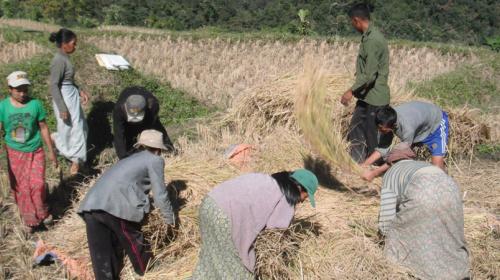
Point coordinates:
pixel 466 21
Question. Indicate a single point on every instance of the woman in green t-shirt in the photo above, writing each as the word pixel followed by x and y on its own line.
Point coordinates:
pixel 23 121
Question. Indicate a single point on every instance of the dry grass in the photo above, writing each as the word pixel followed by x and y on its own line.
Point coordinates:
pixel 13 52
pixel 16 247
pixel 131 29
pixel 337 240
pixel 29 25
pixel 314 95
pixel 217 71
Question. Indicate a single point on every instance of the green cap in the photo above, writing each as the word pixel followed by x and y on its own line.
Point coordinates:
pixel 308 180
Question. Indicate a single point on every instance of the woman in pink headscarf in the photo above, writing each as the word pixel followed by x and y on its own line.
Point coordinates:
pixel 421 217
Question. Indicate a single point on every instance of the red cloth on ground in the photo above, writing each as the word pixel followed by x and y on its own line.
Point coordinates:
pixel 241 155
pixel 27 182
pixel 77 267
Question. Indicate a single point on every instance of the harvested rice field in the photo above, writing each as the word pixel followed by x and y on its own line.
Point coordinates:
pixel 282 99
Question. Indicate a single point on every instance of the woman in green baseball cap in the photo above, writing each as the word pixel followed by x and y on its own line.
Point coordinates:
pixel 236 211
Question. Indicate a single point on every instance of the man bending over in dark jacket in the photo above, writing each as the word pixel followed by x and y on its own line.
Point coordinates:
pixel 135 111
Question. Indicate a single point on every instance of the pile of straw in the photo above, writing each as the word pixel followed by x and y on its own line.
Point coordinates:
pixel 309 103
pixel 262 109
pixel 466 131
pixel 277 250
pixel 338 242
pixel 192 175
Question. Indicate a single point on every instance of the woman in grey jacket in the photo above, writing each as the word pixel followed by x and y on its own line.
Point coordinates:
pixel 115 206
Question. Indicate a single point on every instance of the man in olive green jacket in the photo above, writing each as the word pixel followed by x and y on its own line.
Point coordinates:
pixel 370 88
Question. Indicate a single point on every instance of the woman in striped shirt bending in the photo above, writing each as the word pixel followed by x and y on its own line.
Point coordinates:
pixel 421 217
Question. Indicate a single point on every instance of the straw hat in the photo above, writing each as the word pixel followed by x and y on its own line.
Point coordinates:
pixel 151 138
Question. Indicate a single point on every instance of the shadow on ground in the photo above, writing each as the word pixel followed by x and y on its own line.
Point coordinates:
pixel 323 172
pixel 61 198
pixel 100 134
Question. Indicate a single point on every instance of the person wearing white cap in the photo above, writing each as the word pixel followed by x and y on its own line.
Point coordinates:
pixel 115 206
pixel 135 110
pixel 71 136
pixel 23 120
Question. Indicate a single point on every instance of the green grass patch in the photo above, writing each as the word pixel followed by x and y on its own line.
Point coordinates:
pixel 489 151
pixel 176 107
pixel 17 35
pixel 474 85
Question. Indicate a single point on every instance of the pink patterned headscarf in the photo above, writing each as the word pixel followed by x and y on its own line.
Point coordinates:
pixel 400 151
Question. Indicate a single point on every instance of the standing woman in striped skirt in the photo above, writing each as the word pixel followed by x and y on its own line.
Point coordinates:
pixel 71 136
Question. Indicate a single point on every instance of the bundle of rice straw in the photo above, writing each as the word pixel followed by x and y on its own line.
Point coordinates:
pixel 466 131
pixel 189 181
pixel 317 101
pixel 276 250
pixel 262 109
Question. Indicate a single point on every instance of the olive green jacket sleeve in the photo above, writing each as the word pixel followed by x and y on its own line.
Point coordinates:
pixel 372 69
pixel 372 54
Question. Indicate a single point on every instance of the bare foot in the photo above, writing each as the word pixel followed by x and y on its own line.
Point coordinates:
pixel 49 220
pixel 75 167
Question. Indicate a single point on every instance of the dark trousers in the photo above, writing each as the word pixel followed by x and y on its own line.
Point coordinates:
pixel 363 131
pixel 108 236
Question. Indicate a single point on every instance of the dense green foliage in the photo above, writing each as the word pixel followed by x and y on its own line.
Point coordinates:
pixel 494 43
pixel 466 21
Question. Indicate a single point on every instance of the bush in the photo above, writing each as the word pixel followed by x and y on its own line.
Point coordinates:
pixel 493 43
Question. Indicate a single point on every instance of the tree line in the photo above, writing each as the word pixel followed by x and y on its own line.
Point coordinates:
pixel 464 21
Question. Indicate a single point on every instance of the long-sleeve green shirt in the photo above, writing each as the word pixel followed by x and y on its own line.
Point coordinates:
pixel 372 69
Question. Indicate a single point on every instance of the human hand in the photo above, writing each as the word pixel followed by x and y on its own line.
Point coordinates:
pixel 172 232
pixel 53 158
pixel 346 98
pixel 84 97
pixel 64 116
pixel 368 175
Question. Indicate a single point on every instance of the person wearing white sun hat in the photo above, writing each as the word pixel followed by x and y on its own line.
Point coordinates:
pixel 135 110
pixel 23 120
pixel 115 206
